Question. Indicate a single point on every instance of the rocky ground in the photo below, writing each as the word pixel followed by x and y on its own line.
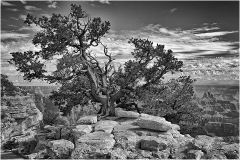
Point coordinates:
pixel 10 155
pixel 129 135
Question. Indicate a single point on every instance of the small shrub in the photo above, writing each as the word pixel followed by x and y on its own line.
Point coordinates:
pixel 28 147
pixel 11 144
pixel 49 117
pixel 61 120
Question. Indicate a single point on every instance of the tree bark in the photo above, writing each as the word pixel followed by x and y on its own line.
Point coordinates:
pixel 112 108
pixel 107 108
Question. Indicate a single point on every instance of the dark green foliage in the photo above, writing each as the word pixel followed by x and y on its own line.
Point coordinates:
pixel 11 144
pixel 80 73
pixel 7 87
pixel 174 101
pixel 49 117
pixel 171 98
pixel 71 94
pixel 61 120
pixel 28 147
pixel 231 139
pixel 54 118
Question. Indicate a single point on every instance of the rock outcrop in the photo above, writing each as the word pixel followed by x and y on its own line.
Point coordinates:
pixel 59 149
pixel 127 114
pixel 105 126
pixel 26 115
pixel 87 120
pixel 129 138
pixel 155 123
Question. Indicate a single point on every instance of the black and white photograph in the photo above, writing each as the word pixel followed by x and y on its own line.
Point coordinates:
pixel 107 79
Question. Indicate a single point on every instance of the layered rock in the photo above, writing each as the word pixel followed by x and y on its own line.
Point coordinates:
pixel 60 149
pixel 105 126
pixel 156 123
pixel 21 107
pixel 146 137
pixel 153 143
pixel 97 139
pixel 119 112
pixel 87 120
pixel 27 116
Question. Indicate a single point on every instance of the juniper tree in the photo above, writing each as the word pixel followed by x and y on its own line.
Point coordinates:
pixel 71 37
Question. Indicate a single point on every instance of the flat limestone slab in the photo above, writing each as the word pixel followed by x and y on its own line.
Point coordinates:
pixel 101 140
pixel 154 123
pixel 119 112
pixel 87 120
pixel 105 126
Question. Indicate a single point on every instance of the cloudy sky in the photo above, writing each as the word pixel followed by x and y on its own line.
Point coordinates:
pixel 204 34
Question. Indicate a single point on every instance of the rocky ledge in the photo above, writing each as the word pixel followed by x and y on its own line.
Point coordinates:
pixel 141 136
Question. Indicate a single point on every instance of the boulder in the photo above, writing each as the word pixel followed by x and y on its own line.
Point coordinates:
pixel 81 130
pixel 153 144
pixel 118 153
pixel 97 139
pixel 126 140
pixel 119 112
pixel 195 154
pixel 61 120
pixel 164 154
pixel 85 151
pixel 146 154
pixel 129 125
pixel 154 123
pixel 51 128
pixel 42 154
pixel 84 128
pixel 64 133
pixel 60 149
pixel 87 120
pixel 167 137
pixel 175 127
pixel 175 133
pixel 231 150
pixel 105 126
pixel 203 142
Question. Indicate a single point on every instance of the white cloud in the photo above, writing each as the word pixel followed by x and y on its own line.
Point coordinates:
pixel 6 4
pixel 30 8
pixel 32 28
pixel 173 10
pixel 23 1
pixel 10 70
pixel 21 16
pixel 13 35
pixel 213 69
pixel 184 43
pixel 14 18
pixel 215 34
pixel 11 25
pixel 13 9
pixel 205 28
pixel 104 1
pixel 53 4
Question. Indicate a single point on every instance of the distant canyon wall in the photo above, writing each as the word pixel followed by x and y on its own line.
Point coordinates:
pixel 221 108
pixel 40 96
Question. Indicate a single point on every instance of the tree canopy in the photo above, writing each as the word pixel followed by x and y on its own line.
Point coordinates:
pixel 80 73
pixel 7 87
